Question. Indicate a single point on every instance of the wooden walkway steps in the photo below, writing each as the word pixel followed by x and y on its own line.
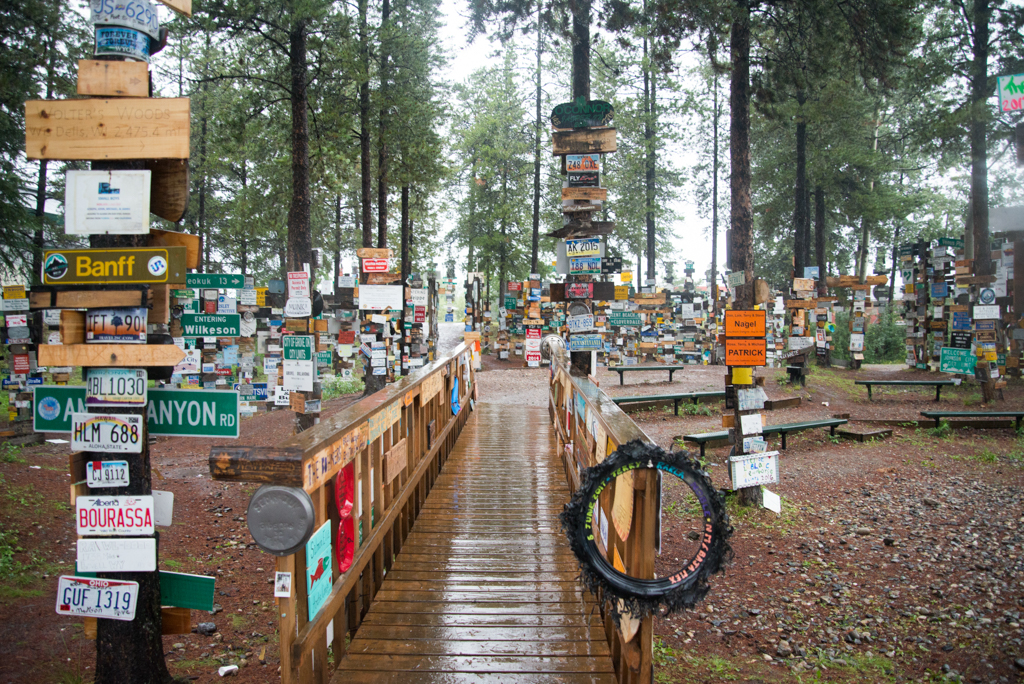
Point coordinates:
pixel 484 588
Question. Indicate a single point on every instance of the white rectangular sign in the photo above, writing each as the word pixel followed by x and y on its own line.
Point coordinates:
pixel 117 555
pixel 380 297
pixel 123 515
pixel 298 375
pixel 298 284
pixel 419 296
pixel 107 202
pixel 110 433
pixel 106 473
pixel 984 313
pixel 95 597
pixel 751 470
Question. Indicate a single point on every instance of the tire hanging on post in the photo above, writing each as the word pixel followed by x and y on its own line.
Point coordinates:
pixel 640 598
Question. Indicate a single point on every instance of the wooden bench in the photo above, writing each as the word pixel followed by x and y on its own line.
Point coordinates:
pixel 674 398
pixel 782 430
pixel 937 416
pixel 626 369
pixel 938 384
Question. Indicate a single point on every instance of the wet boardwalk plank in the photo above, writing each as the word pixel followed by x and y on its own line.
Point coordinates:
pixel 484 589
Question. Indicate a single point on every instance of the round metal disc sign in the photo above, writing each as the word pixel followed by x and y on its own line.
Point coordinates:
pixel 280 519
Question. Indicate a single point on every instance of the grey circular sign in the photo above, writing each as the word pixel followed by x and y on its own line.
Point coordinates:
pixel 280 519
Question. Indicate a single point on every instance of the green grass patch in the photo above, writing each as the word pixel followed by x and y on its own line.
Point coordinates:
pixel 196 663
pixel 761 518
pixel 173 564
pixel 338 387
pixel 237 623
pixel 9 453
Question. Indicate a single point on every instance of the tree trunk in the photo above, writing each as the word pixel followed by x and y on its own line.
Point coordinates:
pixel 819 239
pixel 535 243
pixel 39 238
pixel 300 240
pixel 337 242
pixel 741 248
pixel 406 270
pixel 714 189
pixel 130 651
pixel 579 362
pixel 650 160
pixel 980 92
pixel 364 127
pixel 801 248
pixel 382 130
pixel 895 261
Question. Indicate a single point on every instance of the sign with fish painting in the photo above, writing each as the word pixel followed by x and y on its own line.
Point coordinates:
pixel 318 569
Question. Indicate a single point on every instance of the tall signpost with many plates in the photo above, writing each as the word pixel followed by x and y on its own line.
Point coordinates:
pixel 138 146
pixel 581 137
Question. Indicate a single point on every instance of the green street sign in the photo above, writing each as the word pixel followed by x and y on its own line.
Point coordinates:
pixel 956 243
pixel 211 325
pixel 52 406
pixel 184 294
pixel 113 266
pixel 954 360
pixel 181 590
pixel 226 280
pixel 170 412
pixel 324 357
pixel 624 318
pixel 297 347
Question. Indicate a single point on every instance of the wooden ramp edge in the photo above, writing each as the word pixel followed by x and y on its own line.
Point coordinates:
pixel 484 588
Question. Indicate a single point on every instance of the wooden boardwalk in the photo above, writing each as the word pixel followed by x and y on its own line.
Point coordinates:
pixel 484 588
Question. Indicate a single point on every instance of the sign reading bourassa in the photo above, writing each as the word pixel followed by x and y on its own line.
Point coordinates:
pixel 235 281
pixel 211 325
pixel 113 266
pixel 582 113
pixel 122 515
pixel 94 128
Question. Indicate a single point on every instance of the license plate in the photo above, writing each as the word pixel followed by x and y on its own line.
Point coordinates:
pixel 116 387
pixel 106 473
pixel 110 433
pixel 124 325
pixel 94 597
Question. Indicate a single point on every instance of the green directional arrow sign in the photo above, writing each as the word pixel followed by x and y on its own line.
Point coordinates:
pixel 226 280
pixel 170 412
pixel 211 325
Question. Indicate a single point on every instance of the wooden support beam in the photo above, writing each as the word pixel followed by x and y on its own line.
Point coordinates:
pixel 276 465
pixel 113 355
pixel 586 141
pixel 113 79
pixel 82 299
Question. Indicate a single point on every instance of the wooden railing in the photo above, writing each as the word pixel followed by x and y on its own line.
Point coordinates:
pixel 590 426
pixel 417 410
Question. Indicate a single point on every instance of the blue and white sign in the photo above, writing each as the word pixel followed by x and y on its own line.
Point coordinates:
pixel 121 42
pixel 134 14
pixel 585 343
pixel 319 581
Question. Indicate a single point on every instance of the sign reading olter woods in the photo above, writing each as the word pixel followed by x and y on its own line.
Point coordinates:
pixel 170 412
pixel 118 128
pixel 114 202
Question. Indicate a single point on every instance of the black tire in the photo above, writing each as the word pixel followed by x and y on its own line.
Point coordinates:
pixel 684 588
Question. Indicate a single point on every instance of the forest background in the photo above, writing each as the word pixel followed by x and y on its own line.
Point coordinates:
pixel 333 125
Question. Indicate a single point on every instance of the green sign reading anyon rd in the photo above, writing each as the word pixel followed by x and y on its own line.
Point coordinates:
pixel 170 412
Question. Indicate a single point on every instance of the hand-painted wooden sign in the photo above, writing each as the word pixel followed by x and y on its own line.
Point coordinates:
pixel 584 193
pixel 113 266
pixel 123 128
pixel 582 113
pixel 117 355
pixel 594 141
pixel 319 580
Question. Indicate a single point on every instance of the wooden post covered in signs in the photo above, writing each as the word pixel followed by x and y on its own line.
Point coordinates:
pixel 381 300
pixel 126 650
pixel 745 349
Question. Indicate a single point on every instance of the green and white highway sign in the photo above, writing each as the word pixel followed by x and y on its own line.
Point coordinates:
pixel 234 281
pixel 170 412
pixel 211 325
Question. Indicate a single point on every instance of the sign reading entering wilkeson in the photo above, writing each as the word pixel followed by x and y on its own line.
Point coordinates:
pixel 211 325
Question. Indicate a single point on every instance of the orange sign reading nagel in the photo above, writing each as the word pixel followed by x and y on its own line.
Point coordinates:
pixel 745 323
pixel 745 352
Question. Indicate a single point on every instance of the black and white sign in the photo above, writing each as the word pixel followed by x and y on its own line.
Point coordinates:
pixel 117 555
